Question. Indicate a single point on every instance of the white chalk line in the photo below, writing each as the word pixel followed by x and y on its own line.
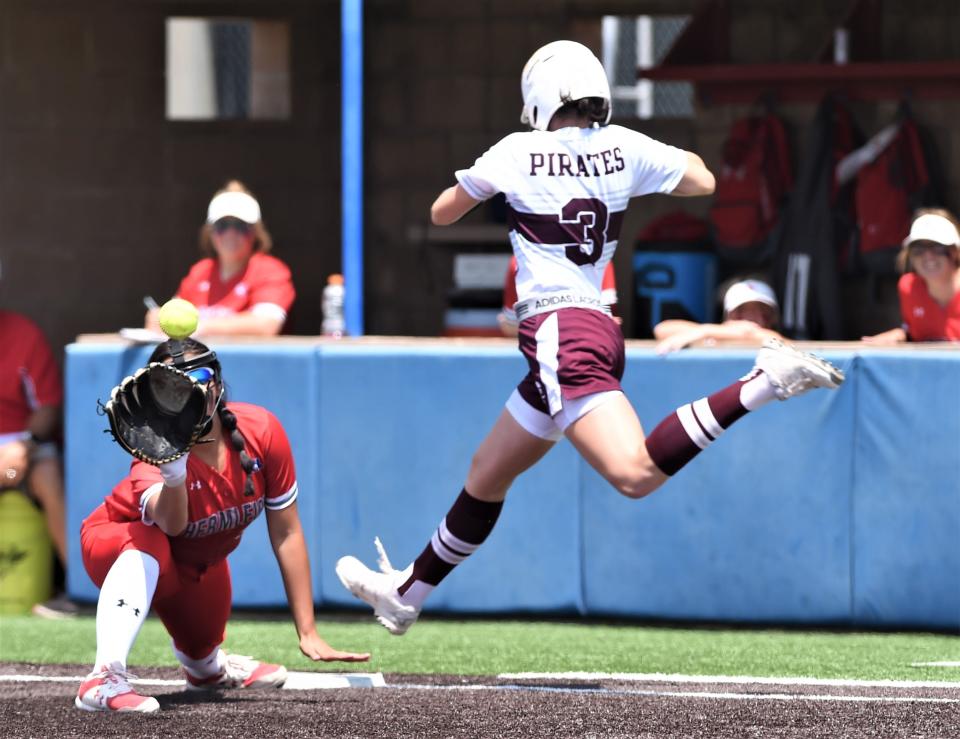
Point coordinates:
pixel 295 680
pixel 784 697
pixel 327 681
pixel 659 677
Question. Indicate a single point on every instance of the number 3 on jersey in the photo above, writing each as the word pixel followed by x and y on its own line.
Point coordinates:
pixel 592 216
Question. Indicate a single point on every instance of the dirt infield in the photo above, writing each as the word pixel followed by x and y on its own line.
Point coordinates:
pixel 444 706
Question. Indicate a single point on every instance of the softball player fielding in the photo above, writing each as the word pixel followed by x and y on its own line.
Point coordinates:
pixel 160 540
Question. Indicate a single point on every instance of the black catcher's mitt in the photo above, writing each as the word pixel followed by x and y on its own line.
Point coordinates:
pixel 157 414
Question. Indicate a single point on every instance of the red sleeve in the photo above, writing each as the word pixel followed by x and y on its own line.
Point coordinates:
pixel 42 382
pixel 190 285
pixel 907 304
pixel 510 285
pixel 608 288
pixel 272 283
pixel 279 473
pixel 124 502
pixel 143 476
pixel 609 278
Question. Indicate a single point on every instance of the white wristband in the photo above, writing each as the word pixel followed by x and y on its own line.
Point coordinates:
pixel 175 472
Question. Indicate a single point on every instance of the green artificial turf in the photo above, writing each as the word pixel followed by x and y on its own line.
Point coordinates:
pixel 489 647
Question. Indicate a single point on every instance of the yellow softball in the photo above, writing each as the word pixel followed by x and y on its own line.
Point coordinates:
pixel 178 318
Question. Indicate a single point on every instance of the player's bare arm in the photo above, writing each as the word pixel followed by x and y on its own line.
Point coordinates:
pixel 697 180
pixel 451 205
pixel 168 509
pixel 290 549
pixel 675 336
pixel 15 457
pixel 246 323
pixel 671 327
pixel 886 338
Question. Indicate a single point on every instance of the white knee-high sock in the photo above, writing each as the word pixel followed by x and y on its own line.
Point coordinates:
pixel 209 666
pixel 757 392
pixel 123 605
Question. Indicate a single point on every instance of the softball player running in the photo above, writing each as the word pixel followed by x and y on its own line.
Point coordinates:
pixel 567 183
pixel 162 537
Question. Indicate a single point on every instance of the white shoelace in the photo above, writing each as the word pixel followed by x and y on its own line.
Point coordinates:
pixel 115 682
pixel 239 667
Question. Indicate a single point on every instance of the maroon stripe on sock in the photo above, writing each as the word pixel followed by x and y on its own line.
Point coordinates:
pixel 470 520
pixel 703 428
pixel 669 446
pixel 449 546
pixel 726 405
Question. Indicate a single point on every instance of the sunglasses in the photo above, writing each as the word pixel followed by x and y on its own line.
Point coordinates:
pixel 920 247
pixel 202 375
pixel 225 224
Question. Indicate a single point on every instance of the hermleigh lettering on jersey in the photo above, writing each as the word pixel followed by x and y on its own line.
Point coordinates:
pixel 236 517
pixel 560 163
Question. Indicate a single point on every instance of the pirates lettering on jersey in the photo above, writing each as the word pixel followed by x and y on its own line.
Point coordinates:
pixel 567 191
pixel 232 518
pixel 557 164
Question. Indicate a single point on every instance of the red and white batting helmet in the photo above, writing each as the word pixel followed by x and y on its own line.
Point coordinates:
pixel 559 73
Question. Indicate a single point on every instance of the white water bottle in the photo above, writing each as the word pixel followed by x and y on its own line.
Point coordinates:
pixel 333 320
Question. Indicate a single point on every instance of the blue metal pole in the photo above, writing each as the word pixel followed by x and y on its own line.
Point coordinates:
pixel 351 55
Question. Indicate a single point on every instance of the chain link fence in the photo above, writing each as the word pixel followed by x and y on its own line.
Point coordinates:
pixel 632 42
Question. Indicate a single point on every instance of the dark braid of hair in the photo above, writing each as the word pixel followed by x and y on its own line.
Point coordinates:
pixel 594 109
pixel 229 422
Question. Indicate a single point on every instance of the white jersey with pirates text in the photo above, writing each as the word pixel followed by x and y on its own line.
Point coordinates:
pixel 566 193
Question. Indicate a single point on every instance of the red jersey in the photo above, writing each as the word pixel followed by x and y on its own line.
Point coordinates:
pixel 923 317
pixel 608 289
pixel 218 511
pixel 29 376
pixel 265 286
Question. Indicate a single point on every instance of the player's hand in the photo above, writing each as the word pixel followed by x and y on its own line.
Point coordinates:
pixel 887 338
pixel 151 320
pixel 14 462
pixel 676 342
pixel 314 647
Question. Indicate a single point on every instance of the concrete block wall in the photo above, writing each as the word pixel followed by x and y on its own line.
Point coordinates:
pixel 101 198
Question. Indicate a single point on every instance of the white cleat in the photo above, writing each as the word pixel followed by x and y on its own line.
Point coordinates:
pixel 240 671
pixel 793 372
pixel 378 590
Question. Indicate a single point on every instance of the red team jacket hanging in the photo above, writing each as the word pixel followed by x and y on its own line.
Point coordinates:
pixel 754 180
pixel 888 190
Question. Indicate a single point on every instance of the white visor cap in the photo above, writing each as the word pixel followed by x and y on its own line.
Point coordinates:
pixel 749 291
pixel 935 228
pixel 233 205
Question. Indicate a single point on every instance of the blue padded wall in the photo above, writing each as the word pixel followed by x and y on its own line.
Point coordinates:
pixel 756 528
pixel 832 508
pixel 906 491
pixel 93 463
pixel 398 429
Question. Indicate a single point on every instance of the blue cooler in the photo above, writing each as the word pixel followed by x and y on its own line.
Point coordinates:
pixel 672 284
